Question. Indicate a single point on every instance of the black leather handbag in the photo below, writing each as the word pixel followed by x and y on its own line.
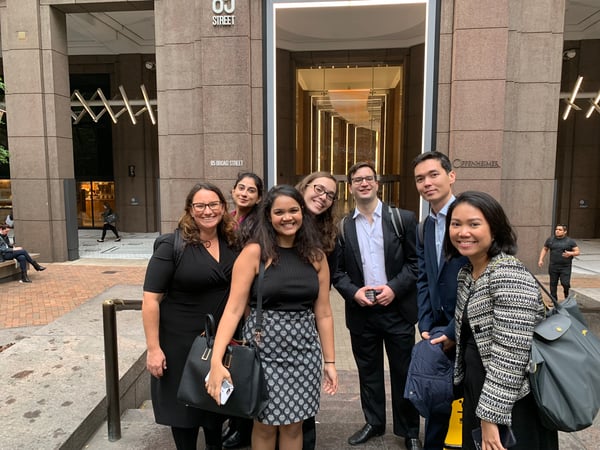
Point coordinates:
pixel 250 394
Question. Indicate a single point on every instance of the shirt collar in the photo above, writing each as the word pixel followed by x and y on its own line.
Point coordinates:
pixel 376 212
pixel 444 211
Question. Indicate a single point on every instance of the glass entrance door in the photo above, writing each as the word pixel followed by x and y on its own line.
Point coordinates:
pixel 91 196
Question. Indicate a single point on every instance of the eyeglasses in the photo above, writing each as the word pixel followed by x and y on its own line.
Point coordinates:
pixel 359 180
pixel 213 206
pixel 320 190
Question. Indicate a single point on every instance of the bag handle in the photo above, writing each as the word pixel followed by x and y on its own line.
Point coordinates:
pixel 209 330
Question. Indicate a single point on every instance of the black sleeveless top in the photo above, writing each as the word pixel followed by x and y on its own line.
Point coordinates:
pixel 289 285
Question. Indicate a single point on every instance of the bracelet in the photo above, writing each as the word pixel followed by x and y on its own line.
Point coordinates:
pixel 329 362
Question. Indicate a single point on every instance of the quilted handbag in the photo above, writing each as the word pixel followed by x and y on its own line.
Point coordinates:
pixel 250 395
pixel 564 371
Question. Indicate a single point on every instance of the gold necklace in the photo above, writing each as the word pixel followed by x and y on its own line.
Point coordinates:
pixel 207 243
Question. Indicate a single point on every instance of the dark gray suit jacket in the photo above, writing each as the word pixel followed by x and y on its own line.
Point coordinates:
pixel 400 267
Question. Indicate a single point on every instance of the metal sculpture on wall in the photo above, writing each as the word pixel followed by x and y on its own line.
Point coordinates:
pixel 569 99
pixel 98 100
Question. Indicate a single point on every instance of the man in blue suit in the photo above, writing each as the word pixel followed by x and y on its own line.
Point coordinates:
pixel 436 280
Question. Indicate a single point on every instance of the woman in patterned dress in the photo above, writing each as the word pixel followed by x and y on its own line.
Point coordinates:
pixel 498 304
pixel 297 319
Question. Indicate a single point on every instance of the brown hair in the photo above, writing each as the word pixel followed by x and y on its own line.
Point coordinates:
pixel 326 220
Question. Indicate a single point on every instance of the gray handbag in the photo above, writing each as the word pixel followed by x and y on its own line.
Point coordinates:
pixel 564 371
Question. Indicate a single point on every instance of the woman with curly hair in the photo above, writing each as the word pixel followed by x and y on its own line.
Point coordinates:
pixel 297 330
pixel 320 192
pixel 187 278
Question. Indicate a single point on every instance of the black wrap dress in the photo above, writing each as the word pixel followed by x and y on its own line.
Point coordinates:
pixel 198 285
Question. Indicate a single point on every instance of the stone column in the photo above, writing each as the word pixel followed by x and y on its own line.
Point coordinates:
pixel 34 48
pixel 209 93
pixel 502 101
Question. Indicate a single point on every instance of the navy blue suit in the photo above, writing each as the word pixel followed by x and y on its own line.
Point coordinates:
pixel 373 327
pixel 436 297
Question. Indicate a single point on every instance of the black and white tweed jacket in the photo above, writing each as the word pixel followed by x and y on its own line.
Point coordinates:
pixel 503 306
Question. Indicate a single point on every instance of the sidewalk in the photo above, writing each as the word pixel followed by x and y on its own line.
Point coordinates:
pixel 24 308
pixel 65 286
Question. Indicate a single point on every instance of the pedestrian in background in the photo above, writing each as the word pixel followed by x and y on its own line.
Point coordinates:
pixel 562 251
pixel 498 304
pixel 110 221
pixel 10 221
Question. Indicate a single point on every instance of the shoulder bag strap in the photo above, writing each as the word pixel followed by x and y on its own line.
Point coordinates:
pixel 259 312
pixel 397 222
pixel 543 288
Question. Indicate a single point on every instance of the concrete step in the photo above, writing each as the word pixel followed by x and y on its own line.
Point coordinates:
pixel 340 416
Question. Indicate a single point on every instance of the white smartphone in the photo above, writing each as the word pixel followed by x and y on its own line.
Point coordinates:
pixel 226 389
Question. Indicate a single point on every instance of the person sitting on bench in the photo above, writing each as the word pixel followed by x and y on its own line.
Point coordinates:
pixel 9 251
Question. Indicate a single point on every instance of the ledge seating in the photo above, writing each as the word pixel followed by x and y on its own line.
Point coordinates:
pixel 10 269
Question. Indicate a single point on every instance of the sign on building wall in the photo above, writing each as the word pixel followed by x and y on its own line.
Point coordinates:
pixel 223 10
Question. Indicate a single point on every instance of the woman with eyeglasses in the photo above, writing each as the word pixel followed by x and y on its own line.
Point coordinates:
pixel 319 190
pixel 187 278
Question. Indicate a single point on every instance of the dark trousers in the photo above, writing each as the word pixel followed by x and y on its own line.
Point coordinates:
pixel 108 226
pixel 562 273
pixel 436 429
pixel 387 328
pixel 20 255
pixel 529 431
pixel 186 438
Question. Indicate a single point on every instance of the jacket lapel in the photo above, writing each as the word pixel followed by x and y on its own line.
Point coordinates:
pixel 352 238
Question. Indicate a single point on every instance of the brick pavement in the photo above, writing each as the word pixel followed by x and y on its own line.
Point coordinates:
pixel 59 289
pixel 65 286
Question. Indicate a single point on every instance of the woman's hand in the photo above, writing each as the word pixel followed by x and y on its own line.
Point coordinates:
pixel 156 362
pixel 217 374
pixel 330 379
pixel 490 436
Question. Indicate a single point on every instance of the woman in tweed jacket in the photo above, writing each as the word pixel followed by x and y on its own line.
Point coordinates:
pixel 497 306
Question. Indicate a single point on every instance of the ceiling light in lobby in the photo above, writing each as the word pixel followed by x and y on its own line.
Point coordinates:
pixel 594 106
pixel 571 100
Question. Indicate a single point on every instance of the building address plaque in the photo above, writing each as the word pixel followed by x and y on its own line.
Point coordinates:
pixel 223 6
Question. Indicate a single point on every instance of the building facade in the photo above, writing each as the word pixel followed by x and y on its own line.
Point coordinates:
pixel 285 88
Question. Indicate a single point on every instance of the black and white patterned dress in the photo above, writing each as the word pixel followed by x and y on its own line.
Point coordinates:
pixel 290 349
